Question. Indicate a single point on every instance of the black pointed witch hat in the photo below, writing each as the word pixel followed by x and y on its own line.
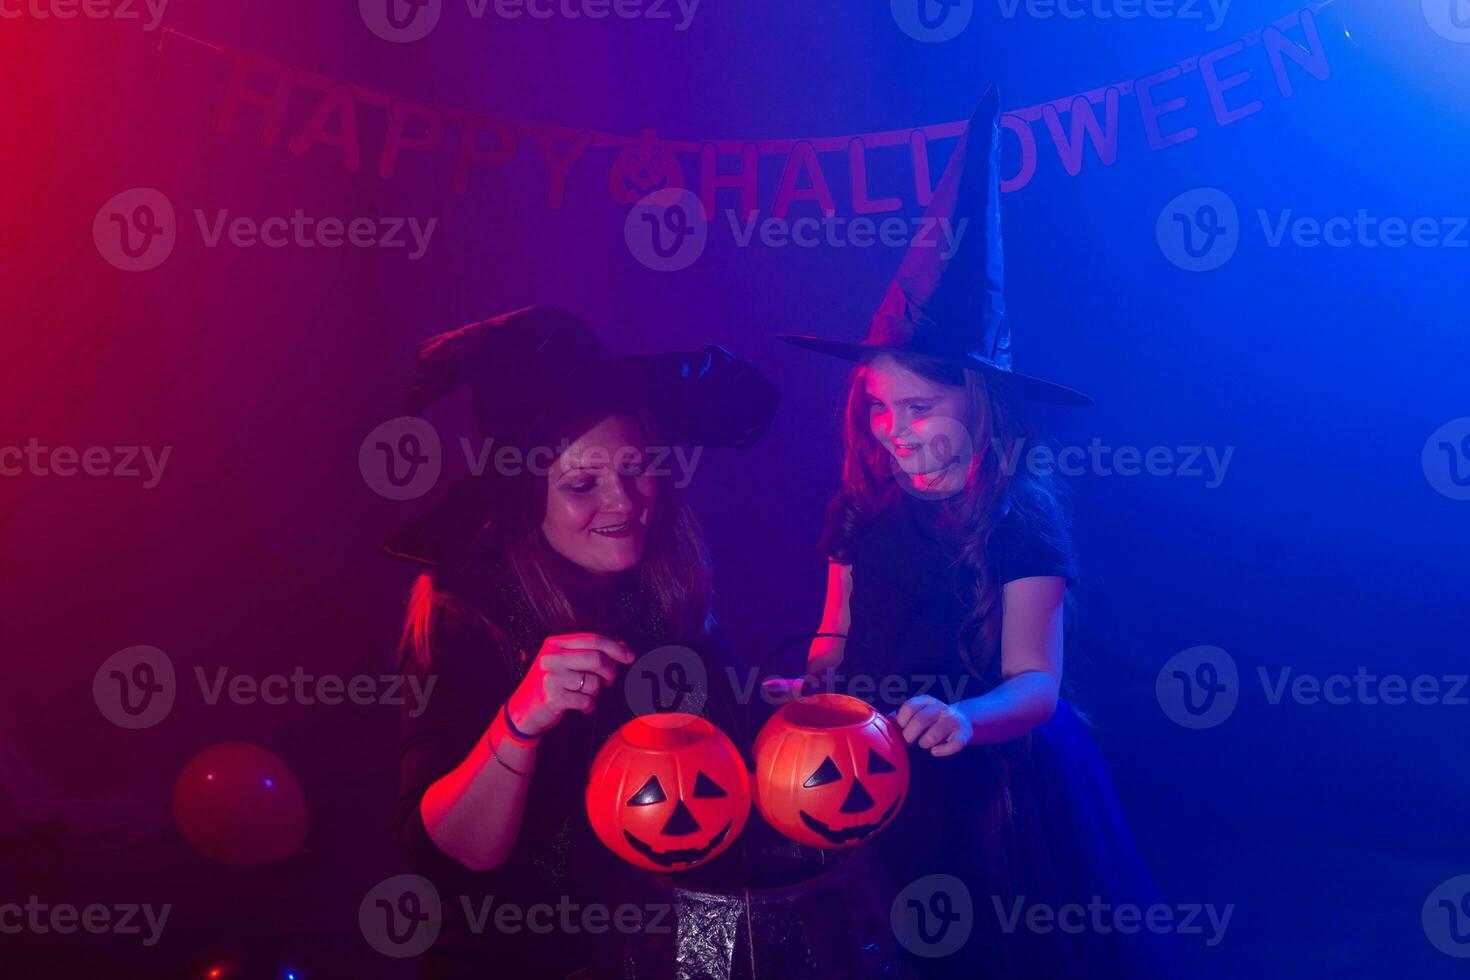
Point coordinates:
pixel 526 368
pixel 953 309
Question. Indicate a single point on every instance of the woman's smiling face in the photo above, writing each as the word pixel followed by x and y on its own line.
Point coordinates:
pixel 921 423
pixel 599 499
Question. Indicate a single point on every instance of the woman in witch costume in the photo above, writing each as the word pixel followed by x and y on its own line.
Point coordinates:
pixel 541 582
pixel 946 560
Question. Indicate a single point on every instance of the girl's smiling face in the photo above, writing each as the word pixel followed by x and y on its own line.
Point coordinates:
pixel 921 423
pixel 599 499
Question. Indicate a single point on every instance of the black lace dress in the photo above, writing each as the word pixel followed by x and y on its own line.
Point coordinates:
pixel 1033 821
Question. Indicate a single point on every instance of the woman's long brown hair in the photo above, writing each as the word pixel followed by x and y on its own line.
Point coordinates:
pixel 673 580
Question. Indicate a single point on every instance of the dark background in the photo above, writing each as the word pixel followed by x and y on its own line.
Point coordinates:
pixel 1325 548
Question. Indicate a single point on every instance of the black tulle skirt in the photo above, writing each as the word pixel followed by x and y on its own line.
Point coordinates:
pixel 1016 861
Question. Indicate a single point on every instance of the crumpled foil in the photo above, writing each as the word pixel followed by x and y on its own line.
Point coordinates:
pixel 830 922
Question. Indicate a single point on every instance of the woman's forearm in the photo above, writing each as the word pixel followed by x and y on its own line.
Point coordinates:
pixel 473 813
pixel 1012 708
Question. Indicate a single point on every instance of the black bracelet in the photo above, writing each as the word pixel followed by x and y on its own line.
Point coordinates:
pixel 512 726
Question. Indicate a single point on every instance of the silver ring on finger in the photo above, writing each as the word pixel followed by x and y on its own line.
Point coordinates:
pixel 583 682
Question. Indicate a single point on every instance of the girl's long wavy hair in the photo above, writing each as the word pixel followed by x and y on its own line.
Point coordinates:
pixel 672 585
pixel 995 483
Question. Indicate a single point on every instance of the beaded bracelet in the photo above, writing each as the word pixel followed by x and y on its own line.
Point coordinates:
pixel 491 745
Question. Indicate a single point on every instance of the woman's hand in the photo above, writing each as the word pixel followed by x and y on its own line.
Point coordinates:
pixel 941 728
pixel 568 673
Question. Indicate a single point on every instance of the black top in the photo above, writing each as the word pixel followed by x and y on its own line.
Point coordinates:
pixel 910 595
pixel 482 640
pixel 909 600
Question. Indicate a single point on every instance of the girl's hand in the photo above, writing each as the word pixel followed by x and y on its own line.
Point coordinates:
pixel 780 690
pixel 568 673
pixel 823 656
pixel 934 725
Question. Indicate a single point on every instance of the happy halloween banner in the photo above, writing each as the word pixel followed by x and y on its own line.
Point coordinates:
pixel 267 89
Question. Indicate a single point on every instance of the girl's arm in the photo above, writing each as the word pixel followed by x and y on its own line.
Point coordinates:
pixel 825 652
pixel 1031 672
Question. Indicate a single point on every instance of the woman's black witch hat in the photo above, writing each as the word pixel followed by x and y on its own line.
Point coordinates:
pixel 526 368
pixel 952 309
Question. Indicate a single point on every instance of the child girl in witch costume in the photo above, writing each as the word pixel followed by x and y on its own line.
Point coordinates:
pixel 947 561
pixel 542 581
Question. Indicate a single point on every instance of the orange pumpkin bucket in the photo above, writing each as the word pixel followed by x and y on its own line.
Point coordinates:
pixel 668 792
pixel 831 771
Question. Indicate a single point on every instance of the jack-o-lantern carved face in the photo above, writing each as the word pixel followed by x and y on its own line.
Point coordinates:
pixel 668 792
pixel 830 771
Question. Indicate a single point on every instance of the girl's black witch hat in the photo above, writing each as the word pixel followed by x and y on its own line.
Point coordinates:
pixel 953 309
